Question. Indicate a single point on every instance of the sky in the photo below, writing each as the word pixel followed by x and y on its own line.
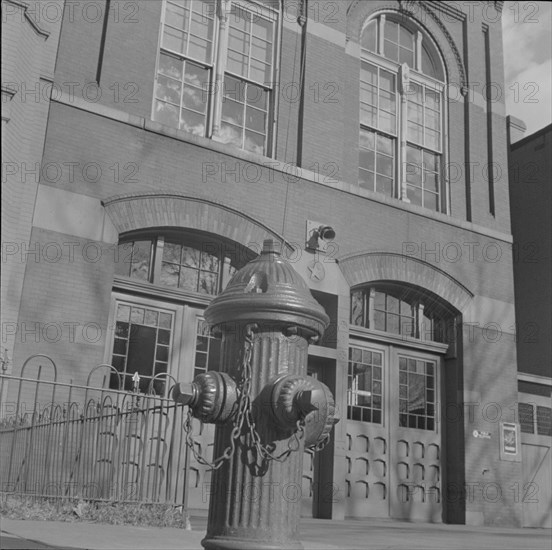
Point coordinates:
pixel 527 33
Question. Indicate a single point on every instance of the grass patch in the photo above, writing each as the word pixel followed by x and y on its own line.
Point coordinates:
pixel 114 513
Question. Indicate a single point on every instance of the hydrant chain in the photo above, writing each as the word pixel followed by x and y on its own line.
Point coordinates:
pixel 243 414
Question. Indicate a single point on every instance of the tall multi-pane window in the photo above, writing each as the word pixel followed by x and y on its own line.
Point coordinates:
pixel 215 70
pixel 401 113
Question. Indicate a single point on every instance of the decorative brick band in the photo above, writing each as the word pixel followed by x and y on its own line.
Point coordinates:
pixel 364 268
pixel 144 211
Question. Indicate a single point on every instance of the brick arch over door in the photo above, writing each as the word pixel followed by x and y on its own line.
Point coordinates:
pixel 133 212
pixel 363 268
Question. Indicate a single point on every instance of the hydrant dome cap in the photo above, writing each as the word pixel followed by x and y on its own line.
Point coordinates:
pixel 268 289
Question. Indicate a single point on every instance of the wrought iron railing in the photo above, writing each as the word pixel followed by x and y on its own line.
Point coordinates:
pixel 64 440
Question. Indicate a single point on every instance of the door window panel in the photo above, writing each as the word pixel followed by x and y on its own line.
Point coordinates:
pixel 416 393
pixel 365 385
pixel 141 344
pixel 207 349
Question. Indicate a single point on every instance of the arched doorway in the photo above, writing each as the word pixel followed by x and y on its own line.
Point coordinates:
pixel 399 337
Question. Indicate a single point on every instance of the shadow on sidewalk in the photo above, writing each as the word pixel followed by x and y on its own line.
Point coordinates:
pixel 9 541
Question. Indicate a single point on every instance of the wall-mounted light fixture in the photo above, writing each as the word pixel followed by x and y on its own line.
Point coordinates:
pixel 318 235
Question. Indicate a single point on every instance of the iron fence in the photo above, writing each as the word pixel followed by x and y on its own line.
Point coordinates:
pixel 89 441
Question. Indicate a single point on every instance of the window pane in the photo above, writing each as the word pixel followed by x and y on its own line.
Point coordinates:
pixel 165 113
pixel 238 41
pixel 387 81
pixel 174 40
pixel 177 16
pixel 121 328
pixel 384 185
pixel 432 139
pixel 190 256
pixel 255 119
pixel 231 134
pixel 431 182
pixel 391 30
pixel 163 336
pixel 165 320
pixel 384 165
pixel 237 63
pixel 188 279
pixel 357 308
pixel 391 50
pixel 123 313
pixel 368 93
pixel 123 259
pixel 151 317
pixel 406 56
pixel 137 315
pixel 141 255
pixel 393 323
pixel 392 304
pixel 369 73
pixel 168 89
pixel 170 66
pixel 406 38
pixel 433 99
pixel 428 67
pixel 202 26
pixel 262 28
pixel 366 179
pixel 254 142
pixel 120 346
pixel 261 50
pixel 367 159
pixel 415 195
pixel 199 48
pixel 431 161
pixel 432 119
pixel 368 115
pixel 192 122
pixel 169 274
pixel 195 93
pixel 379 320
pixel 431 201
pixel 256 97
pixel 385 145
pixel 232 112
pixel 415 113
pixel 369 36
pixel 415 132
pixel 207 283
pixel 414 174
pixel 259 71
pixel 367 139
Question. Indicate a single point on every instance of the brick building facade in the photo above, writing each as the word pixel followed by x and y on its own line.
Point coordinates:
pixel 181 133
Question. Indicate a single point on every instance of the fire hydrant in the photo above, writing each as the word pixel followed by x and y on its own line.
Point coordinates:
pixel 265 407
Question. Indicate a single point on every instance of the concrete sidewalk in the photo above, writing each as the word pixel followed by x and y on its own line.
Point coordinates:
pixel 315 535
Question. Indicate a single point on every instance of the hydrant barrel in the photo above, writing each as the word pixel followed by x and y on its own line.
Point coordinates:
pixel 267 317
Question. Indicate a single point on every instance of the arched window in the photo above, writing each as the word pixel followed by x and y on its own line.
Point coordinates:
pixel 398 310
pixel 162 284
pixel 187 261
pixel 401 113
